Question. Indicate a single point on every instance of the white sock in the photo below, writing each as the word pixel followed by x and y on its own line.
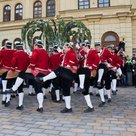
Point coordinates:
pixel 81 81
pixel 119 71
pixel 68 101
pixel 50 87
pixel 40 99
pixel 91 89
pixel 30 89
pixel 8 97
pixel 97 91
pixel 105 92
pixel 52 75
pixel 114 83
pixel 109 94
pixel 75 87
pixel 101 92
pixel 88 101
pixel 57 92
pixel 21 98
pixel 17 84
pixel 44 91
pixel 4 86
pixel 100 74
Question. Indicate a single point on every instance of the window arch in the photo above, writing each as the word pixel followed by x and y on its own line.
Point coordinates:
pixel 110 37
pixel 18 12
pixel 83 4
pixel 103 3
pixel 6 13
pixel 50 8
pixel 37 9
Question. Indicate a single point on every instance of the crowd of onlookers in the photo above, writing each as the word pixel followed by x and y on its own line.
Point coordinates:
pixel 128 69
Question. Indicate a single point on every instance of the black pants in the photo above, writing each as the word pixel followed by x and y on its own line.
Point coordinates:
pixel 86 72
pixel 37 86
pixel 64 79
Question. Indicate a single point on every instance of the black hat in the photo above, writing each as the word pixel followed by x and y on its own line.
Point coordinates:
pixel 70 45
pixel 110 46
pixel 55 47
pixel 18 44
pixel 83 44
pixel 38 42
pixel 8 43
pixel 87 42
pixel 97 44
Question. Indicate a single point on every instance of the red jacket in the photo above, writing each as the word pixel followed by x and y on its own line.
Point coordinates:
pixel 116 61
pixel 81 57
pixel 20 61
pixel 5 58
pixel 39 61
pixel 70 60
pixel 105 56
pixel 92 60
pixel 55 61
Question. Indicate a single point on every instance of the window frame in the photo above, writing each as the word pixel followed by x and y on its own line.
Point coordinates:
pixel 50 14
pixel 19 9
pixel 7 16
pixel 98 4
pixel 37 14
pixel 83 5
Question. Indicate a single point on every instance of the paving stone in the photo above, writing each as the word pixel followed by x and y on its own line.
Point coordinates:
pixel 115 119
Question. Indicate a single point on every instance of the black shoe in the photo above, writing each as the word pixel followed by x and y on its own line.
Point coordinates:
pixel 97 95
pixel 10 91
pixel 3 102
pixel 7 104
pixel 89 110
pixel 40 110
pixel 101 104
pixel 32 94
pixel 66 110
pixel 57 101
pixel 44 97
pixel 106 96
pixel 109 101
pixel 114 92
pixel 20 107
pixel 91 93
pixel 13 96
pixel 80 90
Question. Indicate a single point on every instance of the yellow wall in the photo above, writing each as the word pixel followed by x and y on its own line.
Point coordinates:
pixel 120 17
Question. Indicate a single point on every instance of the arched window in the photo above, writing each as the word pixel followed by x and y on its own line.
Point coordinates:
pixel 50 8
pixel 110 37
pixel 37 9
pixel 103 3
pixel 18 11
pixel 6 13
pixel 83 4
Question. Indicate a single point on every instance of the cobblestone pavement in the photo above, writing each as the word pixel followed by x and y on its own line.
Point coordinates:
pixel 115 119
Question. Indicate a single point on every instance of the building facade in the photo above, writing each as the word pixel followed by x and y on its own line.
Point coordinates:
pixel 110 21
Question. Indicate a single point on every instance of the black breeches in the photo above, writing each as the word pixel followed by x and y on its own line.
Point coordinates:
pixel 3 76
pixel 65 73
pixel 56 83
pixel 107 80
pixel 65 85
pixel 86 72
